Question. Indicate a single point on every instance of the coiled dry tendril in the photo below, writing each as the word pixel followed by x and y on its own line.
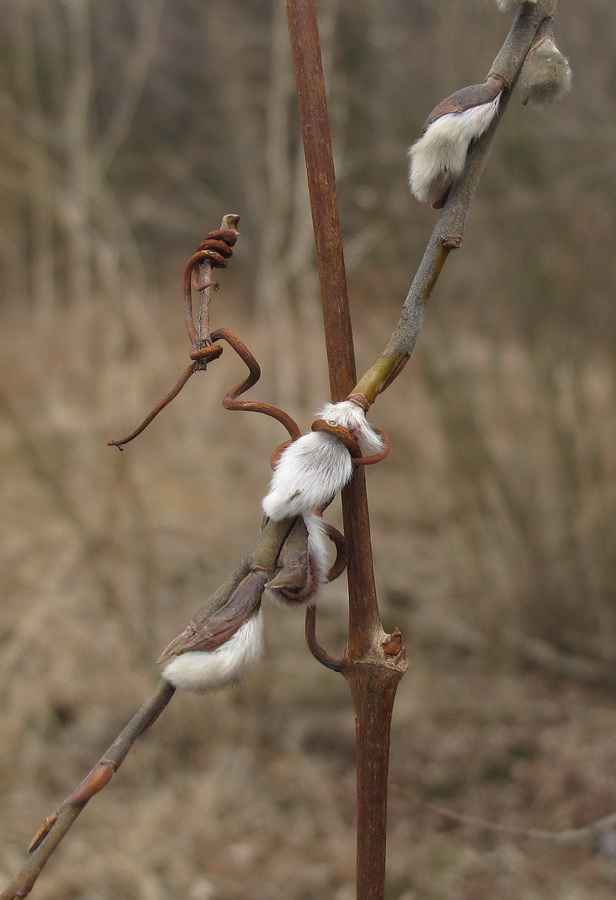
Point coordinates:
pixel 214 251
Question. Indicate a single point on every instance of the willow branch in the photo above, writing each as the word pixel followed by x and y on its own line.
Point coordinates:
pixel 55 826
pixel 449 229
pixel 262 554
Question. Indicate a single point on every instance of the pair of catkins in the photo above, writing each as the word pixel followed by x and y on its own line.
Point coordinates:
pixel 219 650
pixel 437 159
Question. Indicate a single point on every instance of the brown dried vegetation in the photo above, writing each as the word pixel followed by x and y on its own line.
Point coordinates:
pixel 492 519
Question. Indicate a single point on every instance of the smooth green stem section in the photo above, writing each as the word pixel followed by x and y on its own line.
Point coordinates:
pixel 400 346
pixel 449 229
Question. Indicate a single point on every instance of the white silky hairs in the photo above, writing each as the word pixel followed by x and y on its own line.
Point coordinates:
pixel 318 544
pixel 512 5
pixel 312 469
pixel 201 670
pixel 437 159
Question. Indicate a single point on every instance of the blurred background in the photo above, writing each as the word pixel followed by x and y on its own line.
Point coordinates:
pixel 126 131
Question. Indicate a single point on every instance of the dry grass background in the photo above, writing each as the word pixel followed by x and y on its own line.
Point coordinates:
pixel 493 517
pixel 491 522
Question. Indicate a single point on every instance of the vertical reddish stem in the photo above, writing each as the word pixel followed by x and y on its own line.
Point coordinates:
pixel 364 616
pixel 372 676
pixel 316 133
pixel 373 689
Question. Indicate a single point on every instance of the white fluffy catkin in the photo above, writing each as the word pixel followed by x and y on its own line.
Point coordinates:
pixel 309 473
pixel 312 469
pixel 546 74
pixel 437 159
pixel 201 671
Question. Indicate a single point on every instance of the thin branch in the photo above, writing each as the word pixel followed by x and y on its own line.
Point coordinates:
pixel 175 390
pixel 261 555
pixel 337 665
pixel 567 836
pixel 449 229
pixel 55 826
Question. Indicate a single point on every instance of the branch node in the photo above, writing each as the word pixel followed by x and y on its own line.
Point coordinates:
pixel 393 643
pixel 359 400
pixel 501 79
pixel 452 242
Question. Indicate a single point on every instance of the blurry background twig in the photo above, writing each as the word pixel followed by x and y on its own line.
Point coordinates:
pixel 501 549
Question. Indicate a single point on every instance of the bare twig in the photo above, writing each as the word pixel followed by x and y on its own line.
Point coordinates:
pixel 323 201
pixel 337 665
pixel 55 826
pixel 175 390
pixel 230 400
pixel 567 836
pixel 214 251
pixel 262 556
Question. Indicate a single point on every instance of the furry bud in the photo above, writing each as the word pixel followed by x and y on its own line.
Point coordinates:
pixel 309 473
pixel 202 671
pixel 438 158
pixel 512 5
pixel 222 641
pixel 315 467
pixel 546 74
pixel 303 564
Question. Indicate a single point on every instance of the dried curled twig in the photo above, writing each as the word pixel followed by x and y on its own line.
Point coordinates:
pixel 214 251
